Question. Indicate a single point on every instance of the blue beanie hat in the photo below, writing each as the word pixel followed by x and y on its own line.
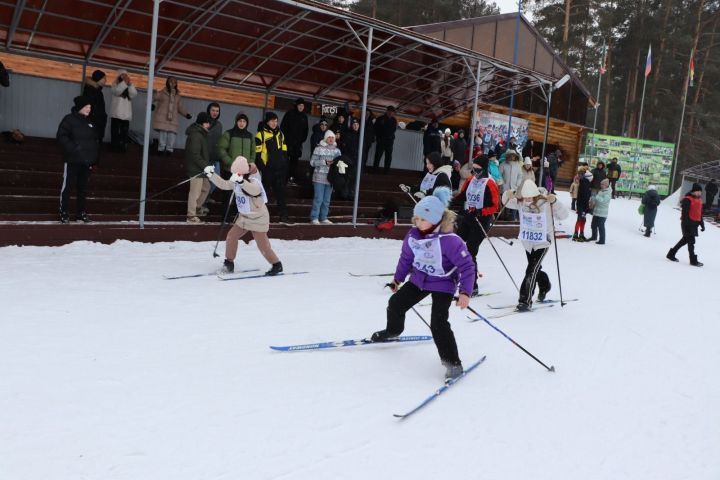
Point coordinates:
pixel 432 207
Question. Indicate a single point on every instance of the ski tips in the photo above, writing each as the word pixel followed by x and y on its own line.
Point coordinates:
pixel 552 368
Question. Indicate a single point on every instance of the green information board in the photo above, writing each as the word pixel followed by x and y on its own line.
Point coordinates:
pixel 643 162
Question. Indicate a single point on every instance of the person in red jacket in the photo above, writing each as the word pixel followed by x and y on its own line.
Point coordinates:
pixel 690 219
pixel 478 200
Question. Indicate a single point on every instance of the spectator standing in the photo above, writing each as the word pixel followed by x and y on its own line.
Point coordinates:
pixel 80 148
pixel 614 172
pixel 385 127
pixel 271 160
pixel 555 160
pixel 600 212
pixel 690 219
pixel 711 190
pixel 574 189
pixel 93 90
pixel 446 150
pixel 494 169
pixel 599 174
pixel 4 76
pixel 295 127
pixel 351 142
pixel 528 172
pixel 651 200
pixel 236 142
pixel 123 92
pixel 197 157
pixel 432 137
pixel 582 205
pixel 214 133
pixel 459 147
pixel 322 158
pixel 512 175
pixel 369 138
pixel 167 104
pixel 318 134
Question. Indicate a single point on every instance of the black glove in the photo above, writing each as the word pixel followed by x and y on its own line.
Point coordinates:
pixel 702 227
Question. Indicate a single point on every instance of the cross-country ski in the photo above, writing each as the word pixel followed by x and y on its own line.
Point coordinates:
pixel 349 343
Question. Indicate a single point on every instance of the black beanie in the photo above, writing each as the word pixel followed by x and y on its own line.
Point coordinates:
pixel 299 101
pixel 242 116
pixel 696 188
pixel 202 117
pixel 97 75
pixel 481 160
pixel 81 101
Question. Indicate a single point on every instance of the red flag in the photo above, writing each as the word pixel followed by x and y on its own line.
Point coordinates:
pixel 692 69
pixel 648 62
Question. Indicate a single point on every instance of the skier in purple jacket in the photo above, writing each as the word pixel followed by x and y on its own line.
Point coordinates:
pixel 439 264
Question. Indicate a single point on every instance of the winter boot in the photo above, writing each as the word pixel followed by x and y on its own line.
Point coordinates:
pixel 83 217
pixel 275 270
pixel 228 266
pixel 64 217
pixel 452 370
pixel 694 261
pixel 575 237
pixel 523 307
pixel 383 336
pixel 543 293
pixel 648 231
pixel 581 238
pixel 671 255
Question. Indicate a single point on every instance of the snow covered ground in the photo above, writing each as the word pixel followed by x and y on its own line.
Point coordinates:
pixel 108 371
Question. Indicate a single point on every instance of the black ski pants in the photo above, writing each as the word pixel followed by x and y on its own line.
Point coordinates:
pixel 534 274
pixel 275 180
pixel 119 134
pixel 406 298
pixel 688 240
pixel 78 176
pixel 469 230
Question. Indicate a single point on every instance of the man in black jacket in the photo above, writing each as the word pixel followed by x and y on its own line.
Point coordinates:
pixel 78 142
pixel 613 172
pixel 93 91
pixel 271 160
pixel 432 138
pixel 385 127
pixel 295 127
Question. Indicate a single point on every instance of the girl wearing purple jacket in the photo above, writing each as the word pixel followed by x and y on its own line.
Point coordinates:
pixel 438 263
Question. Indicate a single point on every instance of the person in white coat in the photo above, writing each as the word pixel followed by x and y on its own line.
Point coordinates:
pixel 123 92
pixel 511 172
pixel 538 211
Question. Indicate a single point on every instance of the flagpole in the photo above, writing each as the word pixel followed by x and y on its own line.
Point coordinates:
pixel 682 120
pixel 597 98
pixel 637 137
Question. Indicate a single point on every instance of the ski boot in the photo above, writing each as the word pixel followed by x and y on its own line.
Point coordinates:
pixel 276 269
pixel 543 292
pixel 452 370
pixel 228 266
pixel 383 336
pixel 523 307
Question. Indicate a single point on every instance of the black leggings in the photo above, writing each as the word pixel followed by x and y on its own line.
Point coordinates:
pixel 406 298
pixel 469 230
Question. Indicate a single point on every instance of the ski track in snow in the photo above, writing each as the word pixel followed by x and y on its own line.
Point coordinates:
pixel 109 372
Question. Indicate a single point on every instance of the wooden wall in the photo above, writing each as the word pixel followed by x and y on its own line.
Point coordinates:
pixel 73 72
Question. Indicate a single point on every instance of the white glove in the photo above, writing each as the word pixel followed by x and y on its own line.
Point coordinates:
pixel 236 178
pixel 404 188
pixel 209 170
pixel 507 196
pixel 419 195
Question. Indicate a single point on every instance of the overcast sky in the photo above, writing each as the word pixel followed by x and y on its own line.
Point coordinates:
pixel 507 5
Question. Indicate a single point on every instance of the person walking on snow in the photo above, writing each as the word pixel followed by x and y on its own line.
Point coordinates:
pixel 479 200
pixel 690 219
pixel 651 200
pixel 600 212
pixel 253 215
pixel 537 214
pixel 438 263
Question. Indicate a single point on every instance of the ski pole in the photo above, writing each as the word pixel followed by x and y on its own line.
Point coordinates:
pixel 557 259
pixel 134 204
pixel 409 195
pixel 498 255
pixel 421 318
pixel 506 242
pixel 227 210
pixel 549 369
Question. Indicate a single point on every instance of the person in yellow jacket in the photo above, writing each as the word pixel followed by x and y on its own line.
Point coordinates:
pixel 271 160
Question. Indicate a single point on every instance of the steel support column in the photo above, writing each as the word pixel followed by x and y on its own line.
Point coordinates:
pixel 148 110
pixel 363 126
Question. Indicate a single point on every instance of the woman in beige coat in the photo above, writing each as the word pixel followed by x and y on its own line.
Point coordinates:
pixel 167 104
pixel 253 215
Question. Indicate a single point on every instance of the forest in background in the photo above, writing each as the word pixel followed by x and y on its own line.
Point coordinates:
pixel 577 29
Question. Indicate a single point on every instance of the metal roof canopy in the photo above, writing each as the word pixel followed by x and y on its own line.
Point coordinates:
pixel 280 47
pixel 705 171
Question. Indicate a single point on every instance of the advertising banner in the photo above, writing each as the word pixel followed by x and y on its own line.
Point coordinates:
pixel 494 126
